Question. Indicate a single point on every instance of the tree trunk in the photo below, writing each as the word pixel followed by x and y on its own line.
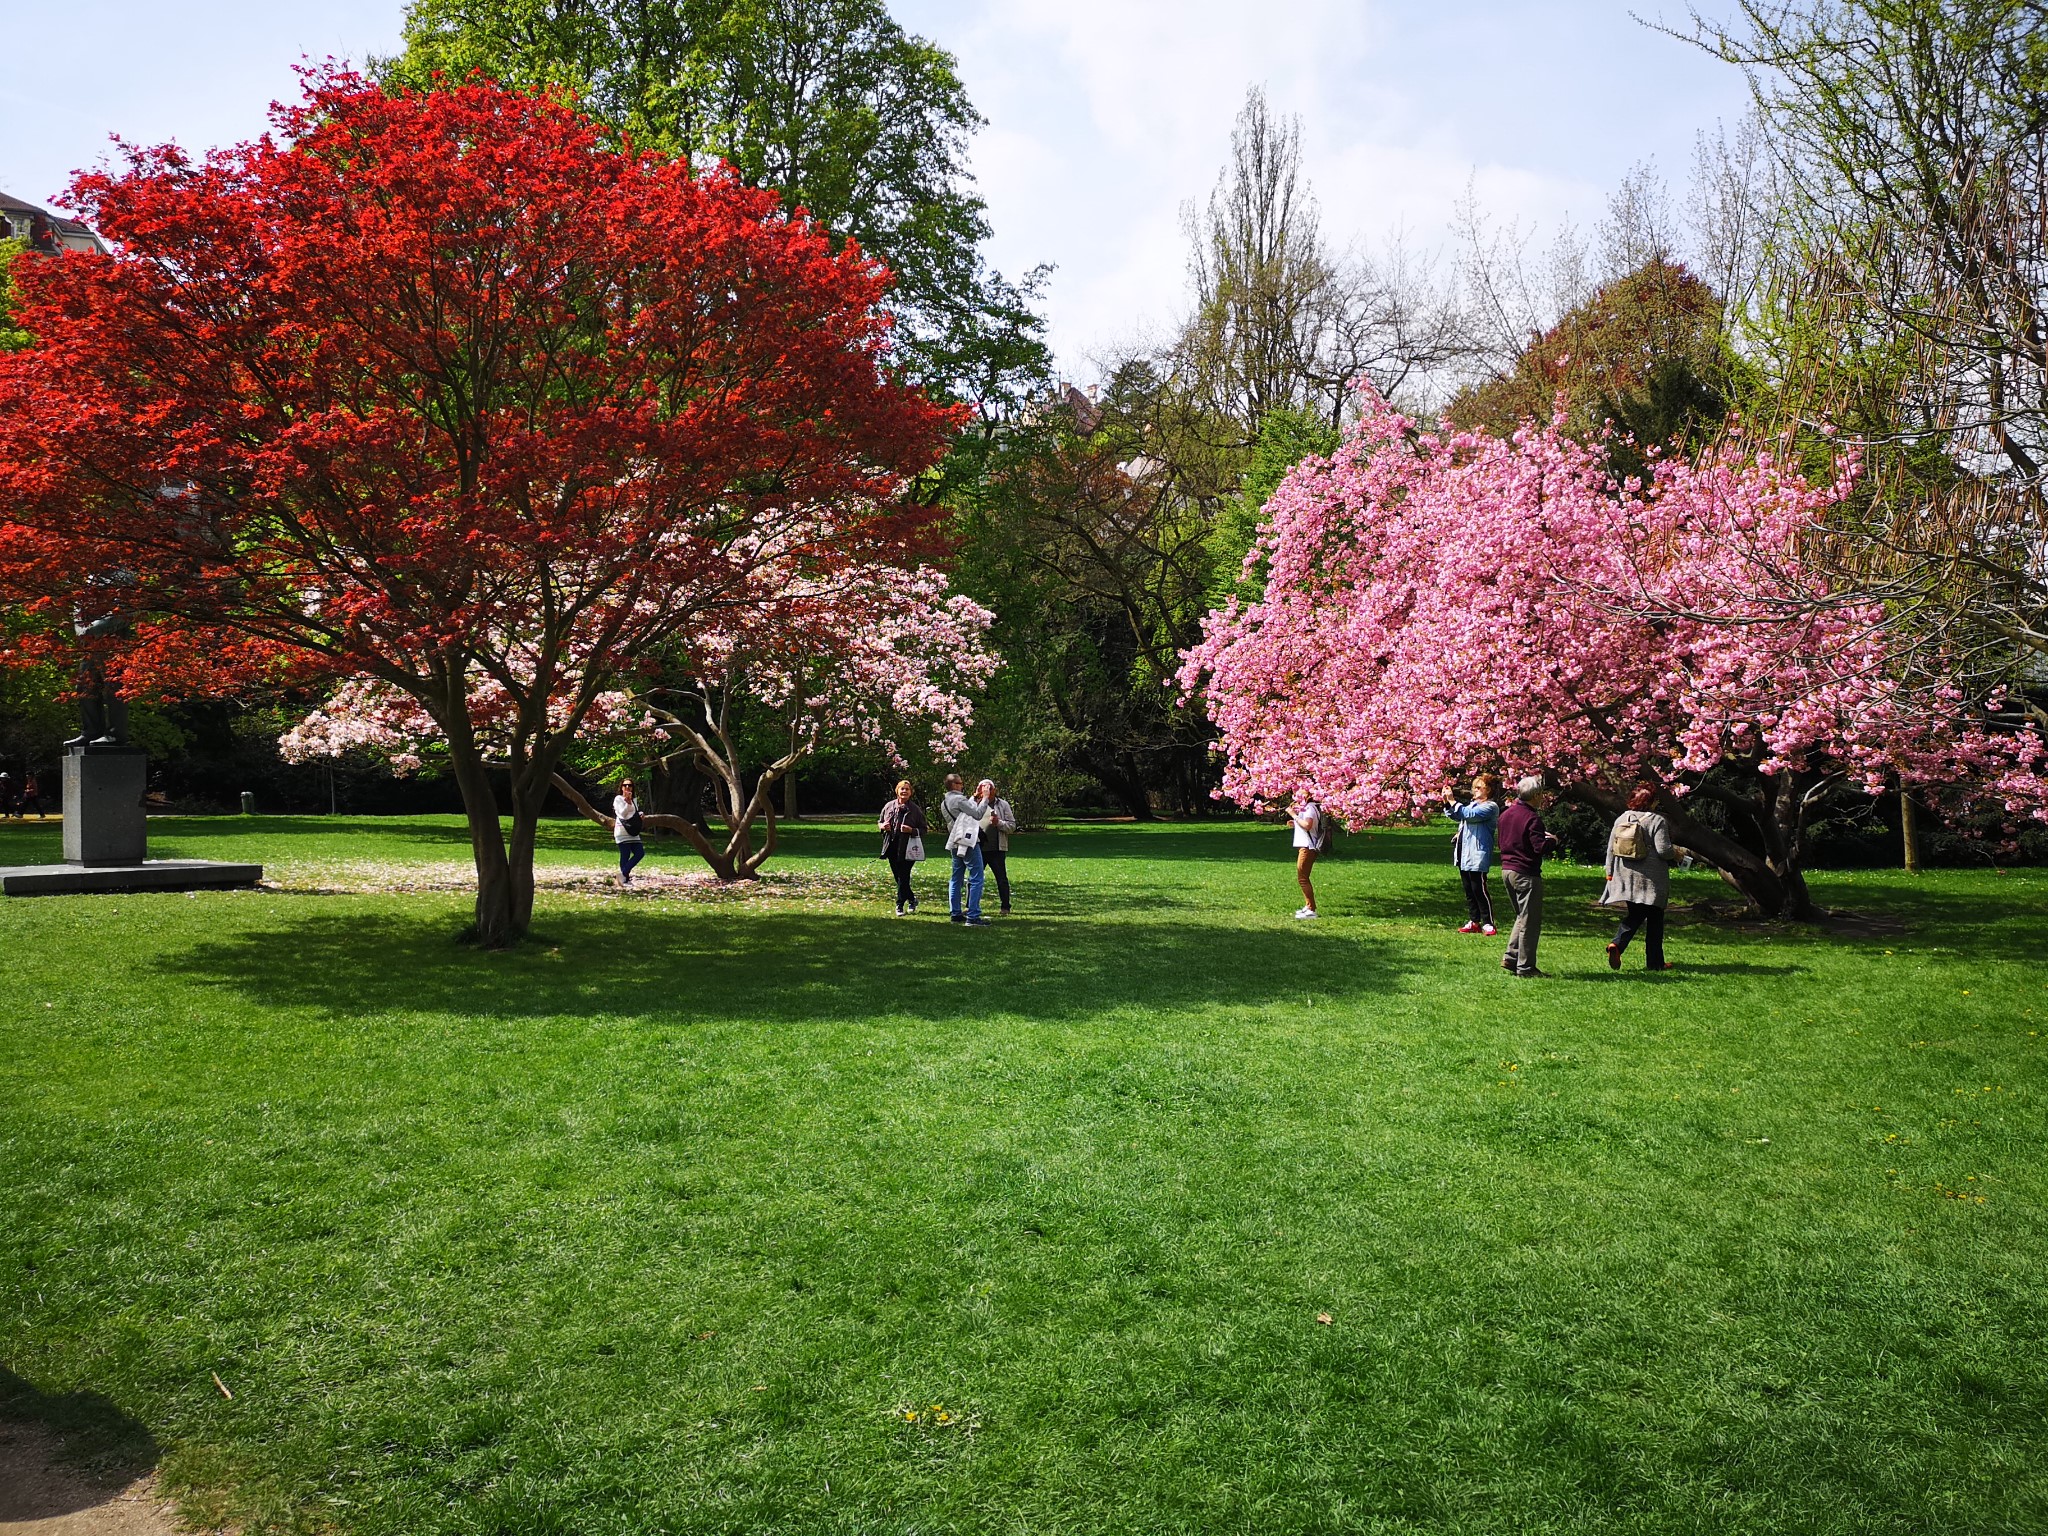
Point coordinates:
pixel 751 864
pixel 1909 831
pixel 678 790
pixel 501 916
pixel 1124 785
pixel 529 798
pixel 789 810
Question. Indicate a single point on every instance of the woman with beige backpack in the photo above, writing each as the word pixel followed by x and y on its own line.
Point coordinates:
pixel 1639 854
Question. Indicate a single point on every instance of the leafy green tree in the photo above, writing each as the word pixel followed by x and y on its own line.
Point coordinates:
pixel 1647 353
pixel 829 102
pixel 1906 301
pixel 12 337
pixel 1281 322
pixel 1286 437
pixel 1090 540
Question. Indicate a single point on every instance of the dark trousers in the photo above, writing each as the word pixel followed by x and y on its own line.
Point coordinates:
pixel 998 862
pixel 629 855
pixel 1478 900
pixel 1651 921
pixel 901 867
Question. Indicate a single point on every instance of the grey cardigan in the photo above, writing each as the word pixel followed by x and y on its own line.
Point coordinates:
pixel 1646 880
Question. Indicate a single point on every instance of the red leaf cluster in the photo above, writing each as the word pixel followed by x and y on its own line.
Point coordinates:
pixel 428 373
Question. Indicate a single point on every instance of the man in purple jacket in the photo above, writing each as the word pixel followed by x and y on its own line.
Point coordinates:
pixel 1523 842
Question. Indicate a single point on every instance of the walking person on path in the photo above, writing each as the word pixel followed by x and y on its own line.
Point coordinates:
pixel 995 842
pixel 1523 842
pixel 1472 850
pixel 965 820
pixel 1311 837
pixel 902 827
pixel 32 797
pixel 626 831
pixel 1639 854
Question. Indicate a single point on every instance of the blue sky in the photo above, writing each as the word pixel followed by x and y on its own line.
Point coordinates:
pixel 1105 116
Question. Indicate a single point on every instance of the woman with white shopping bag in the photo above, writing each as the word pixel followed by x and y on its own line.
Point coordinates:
pixel 902 828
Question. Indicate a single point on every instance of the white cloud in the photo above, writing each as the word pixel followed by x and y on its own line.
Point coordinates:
pixel 1105 116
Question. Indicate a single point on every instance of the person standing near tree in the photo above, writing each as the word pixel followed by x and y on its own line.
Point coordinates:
pixel 626 826
pixel 965 820
pixel 995 842
pixel 902 827
pixel 1311 837
pixel 1523 842
pixel 1472 849
pixel 1639 854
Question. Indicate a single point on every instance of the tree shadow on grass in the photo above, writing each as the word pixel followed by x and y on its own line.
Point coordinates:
pixel 1635 975
pixel 780 966
pixel 92 1433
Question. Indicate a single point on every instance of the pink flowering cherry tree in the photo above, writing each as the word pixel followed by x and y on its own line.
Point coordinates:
pixel 860 656
pixel 1440 602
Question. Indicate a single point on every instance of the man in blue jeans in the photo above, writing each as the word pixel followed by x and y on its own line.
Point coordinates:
pixel 967 859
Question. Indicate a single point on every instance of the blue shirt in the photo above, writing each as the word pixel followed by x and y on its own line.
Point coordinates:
pixel 1473 850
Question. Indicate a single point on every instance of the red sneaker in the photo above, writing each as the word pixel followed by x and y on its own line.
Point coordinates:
pixel 1614 957
pixel 1469 928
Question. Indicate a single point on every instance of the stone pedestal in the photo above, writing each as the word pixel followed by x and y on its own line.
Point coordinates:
pixel 103 816
pixel 106 837
pixel 110 879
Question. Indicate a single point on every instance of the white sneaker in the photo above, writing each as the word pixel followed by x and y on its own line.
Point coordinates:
pixel 1305 914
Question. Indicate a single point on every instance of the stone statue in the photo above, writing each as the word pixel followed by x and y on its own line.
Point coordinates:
pixel 102 712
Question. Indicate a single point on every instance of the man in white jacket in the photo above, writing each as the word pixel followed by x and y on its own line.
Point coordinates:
pixel 964 820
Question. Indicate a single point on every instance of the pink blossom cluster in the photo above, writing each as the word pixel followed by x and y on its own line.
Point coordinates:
pixel 1438 602
pixel 370 715
pixel 849 657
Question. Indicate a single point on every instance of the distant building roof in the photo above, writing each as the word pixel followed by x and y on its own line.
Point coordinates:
pixel 1087 414
pixel 44 230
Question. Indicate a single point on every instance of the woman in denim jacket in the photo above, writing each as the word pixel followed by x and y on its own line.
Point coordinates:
pixel 1472 849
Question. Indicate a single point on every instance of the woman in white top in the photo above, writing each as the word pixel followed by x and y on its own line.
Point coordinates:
pixel 626 831
pixel 1307 820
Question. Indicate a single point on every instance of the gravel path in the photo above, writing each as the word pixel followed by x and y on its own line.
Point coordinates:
pixel 41 1496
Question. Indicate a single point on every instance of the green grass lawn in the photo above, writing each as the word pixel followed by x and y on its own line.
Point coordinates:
pixel 666 1223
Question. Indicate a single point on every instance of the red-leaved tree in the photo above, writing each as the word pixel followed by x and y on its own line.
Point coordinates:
pixel 1444 602
pixel 433 387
